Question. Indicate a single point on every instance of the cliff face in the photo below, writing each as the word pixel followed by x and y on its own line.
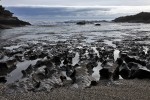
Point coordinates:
pixel 7 20
pixel 143 17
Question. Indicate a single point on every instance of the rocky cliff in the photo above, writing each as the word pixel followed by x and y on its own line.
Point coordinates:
pixel 143 17
pixel 7 20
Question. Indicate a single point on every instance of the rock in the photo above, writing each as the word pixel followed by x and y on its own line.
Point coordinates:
pixel 3 79
pixel 143 17
pixel 56 60
pixel 7 66
pixel 3 65
pixel 141 74
pixel 124 71
pixel 81 23
pixel 93 83
pixel 7 20
pixel 63 78
pixel 105 74
pixel 128 59
pixel 97 24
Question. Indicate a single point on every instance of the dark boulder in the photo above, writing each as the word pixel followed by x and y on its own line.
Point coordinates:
pixel 124 71
pixel 3 80
pixel 97 24
pixel 93 83
pixel 105 74
pixel 141 74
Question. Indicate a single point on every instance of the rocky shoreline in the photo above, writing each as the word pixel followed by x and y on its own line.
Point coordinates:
pixel 46 65
pixel 7 20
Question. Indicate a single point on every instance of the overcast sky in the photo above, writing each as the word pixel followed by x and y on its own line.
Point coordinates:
pixel 76 2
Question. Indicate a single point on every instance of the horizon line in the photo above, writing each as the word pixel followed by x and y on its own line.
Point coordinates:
pixel 46 6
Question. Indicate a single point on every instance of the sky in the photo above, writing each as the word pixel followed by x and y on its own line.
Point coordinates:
pixel 76 2
pixel 106 8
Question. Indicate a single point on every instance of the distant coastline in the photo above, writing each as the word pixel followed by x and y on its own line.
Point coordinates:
pixel 143 17
pixel 7 20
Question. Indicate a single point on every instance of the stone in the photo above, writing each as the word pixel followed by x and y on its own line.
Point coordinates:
pixel 124 71
pixel 141 74
pixel 93 83
pixel 105 74
pixel 97 24
pixel 2 79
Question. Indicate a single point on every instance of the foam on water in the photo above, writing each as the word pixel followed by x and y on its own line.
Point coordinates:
pixel 75 60
pixel 116 54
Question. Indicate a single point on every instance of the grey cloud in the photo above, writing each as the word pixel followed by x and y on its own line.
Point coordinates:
pixel 78 2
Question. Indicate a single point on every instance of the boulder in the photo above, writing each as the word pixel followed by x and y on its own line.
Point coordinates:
pixel 3 79
pixel 124 71
pixel 105 74
pixel 141 74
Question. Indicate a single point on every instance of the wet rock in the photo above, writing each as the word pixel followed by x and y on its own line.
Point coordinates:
pixel 3 65
pixel 105 74
pixel 124 71
pixel 141 74
pixel 7 66
pixel 127 59
pixel 37 85
pixel 133 65
pixel 56 60
pixel 93 83
pixel 97 24
pixel 47 63
pixel 116 74
pixel 49 73
pixel 81 23
pixel 24 73
pixel 62 78
pixel 3 79
pixel 19 58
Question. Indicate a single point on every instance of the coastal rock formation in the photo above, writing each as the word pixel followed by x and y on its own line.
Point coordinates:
pixel 7 20
pixel 143 17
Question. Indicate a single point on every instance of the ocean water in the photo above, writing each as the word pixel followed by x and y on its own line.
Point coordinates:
pixel 49 23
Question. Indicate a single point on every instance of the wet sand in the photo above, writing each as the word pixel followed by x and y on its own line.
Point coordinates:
pixel 124 90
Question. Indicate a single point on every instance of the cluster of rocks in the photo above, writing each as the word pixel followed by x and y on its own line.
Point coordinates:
pixel 7 20
pixel 72 64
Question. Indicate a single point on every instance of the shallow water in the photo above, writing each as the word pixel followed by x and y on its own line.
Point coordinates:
pixel 16 74
pixel 89 32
